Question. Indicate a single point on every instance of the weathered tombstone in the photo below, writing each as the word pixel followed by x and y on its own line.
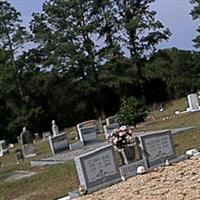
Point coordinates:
pixel 97 169
pixel 157 147
pixel 88 135
pixel 193 103
pixel 19 155
pixel 109 128
pixel 59 143
pixel 45 135
pixel 27 142
pixel 55 129
pixel 3 148
pixel 112 120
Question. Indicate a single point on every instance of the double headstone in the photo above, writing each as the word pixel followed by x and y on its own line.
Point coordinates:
pixel 156 148
pixel 98 168
pixel 193 103
pixel 3 148
pixel 27 143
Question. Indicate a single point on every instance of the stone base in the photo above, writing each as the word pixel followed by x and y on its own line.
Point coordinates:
pixel 77 145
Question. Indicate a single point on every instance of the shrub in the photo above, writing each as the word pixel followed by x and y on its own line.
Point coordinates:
pixel 132 111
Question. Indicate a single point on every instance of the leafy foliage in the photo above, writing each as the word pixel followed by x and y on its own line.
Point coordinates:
pixel 132 111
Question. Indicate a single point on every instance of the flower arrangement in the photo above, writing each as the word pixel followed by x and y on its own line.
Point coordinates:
pixel 121 137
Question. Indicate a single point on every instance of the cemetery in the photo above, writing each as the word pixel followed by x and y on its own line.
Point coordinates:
pixel 98 164
pixel 98 101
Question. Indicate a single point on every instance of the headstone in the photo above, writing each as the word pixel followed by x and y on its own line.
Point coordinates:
pixel 45 135
pixel 97 169
pixel 130 170
pixel 193 103
pixel 55 129
pixel 59 143
pixel 19 155
pixel 3 148
pixel 128 154
pixel 157 147
pixel 88 135
pixel 27 143
pixel 112 120
pixel 109 128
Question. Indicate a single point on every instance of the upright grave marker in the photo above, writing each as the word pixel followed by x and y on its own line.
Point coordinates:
pixel 3 148
pixel 88 135
pixel 59 143
pixel 97 169
pixel 193 102
pixel 27 143
pixel 109 128
pixel 55 129
pixel 157 147
pixel 112 120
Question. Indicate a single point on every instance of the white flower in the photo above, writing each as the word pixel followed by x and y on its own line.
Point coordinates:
pixel 115 141
pixel 122 128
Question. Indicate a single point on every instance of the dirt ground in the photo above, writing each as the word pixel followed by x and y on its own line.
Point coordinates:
pixel 180 181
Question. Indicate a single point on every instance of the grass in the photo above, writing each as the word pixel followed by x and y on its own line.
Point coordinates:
pixel 52 182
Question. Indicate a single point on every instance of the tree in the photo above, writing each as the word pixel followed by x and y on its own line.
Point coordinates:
pixel 141 32
pixel 196 15
pixel 132 111
pixel 12 36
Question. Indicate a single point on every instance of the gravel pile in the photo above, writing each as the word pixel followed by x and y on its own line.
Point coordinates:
pixel 180 181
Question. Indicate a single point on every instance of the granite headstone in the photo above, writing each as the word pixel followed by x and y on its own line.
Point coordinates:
pixel 98 168
pixel 157 147
pixel 59 143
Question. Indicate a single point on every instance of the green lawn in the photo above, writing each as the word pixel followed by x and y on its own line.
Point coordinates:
pixel 52 182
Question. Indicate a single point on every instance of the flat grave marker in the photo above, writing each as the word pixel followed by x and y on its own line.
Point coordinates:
pixel 130 170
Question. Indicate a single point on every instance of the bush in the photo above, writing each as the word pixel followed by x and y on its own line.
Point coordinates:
pixel 132 111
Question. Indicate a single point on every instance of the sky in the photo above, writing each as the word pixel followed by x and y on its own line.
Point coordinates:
pixel 174 14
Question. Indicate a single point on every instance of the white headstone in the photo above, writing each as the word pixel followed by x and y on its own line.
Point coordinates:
pixel 97 169
pixel 55 129
pixel 3 148
pixel 193 102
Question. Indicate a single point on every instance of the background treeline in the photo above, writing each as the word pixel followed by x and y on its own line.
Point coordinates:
pixel 85 56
